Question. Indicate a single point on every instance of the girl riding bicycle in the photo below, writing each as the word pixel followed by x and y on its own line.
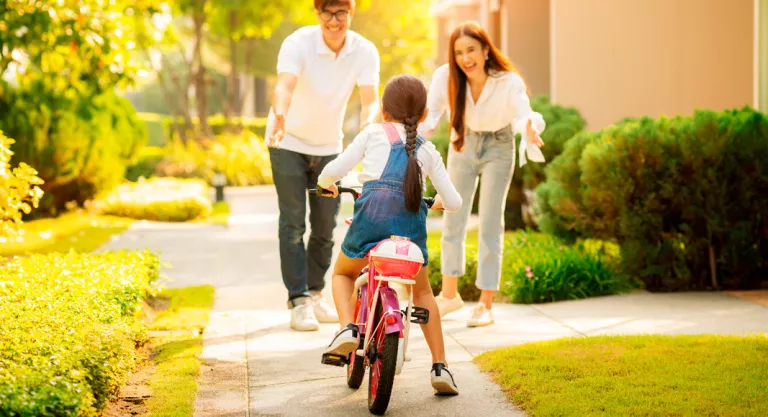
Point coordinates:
pixel 394 160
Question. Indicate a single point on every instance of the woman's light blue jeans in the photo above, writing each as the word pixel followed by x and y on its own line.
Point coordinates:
pixel 492 156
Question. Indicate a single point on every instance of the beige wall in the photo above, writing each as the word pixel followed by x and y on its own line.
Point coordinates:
pixel 447 21
pixel 762 51
pixel 614 59
pixel 526 40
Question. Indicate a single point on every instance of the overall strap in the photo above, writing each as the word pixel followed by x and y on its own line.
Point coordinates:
pixel 394 137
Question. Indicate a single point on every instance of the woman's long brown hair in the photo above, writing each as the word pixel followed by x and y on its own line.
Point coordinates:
pixel 457 81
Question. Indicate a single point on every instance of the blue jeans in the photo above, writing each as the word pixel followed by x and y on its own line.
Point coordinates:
pixel 303 268
pixel 492 156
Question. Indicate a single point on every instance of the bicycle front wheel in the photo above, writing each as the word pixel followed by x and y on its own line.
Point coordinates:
pixel 356 367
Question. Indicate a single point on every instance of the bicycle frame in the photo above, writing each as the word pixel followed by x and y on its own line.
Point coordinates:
pixel 376 288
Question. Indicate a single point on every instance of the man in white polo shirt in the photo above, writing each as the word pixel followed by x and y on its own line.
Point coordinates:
pixel 318 68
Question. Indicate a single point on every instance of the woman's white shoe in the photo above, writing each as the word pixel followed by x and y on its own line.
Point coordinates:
pixel 481 316
pixel 448 305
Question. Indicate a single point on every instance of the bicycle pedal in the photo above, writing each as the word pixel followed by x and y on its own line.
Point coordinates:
pixel 419 315
pixel 334 360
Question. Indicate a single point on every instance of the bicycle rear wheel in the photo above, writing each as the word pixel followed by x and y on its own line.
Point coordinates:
pixel 383 363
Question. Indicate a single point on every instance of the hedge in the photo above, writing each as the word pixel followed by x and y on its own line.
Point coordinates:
pixel 69 329
pixel 161 199
pixel 686 198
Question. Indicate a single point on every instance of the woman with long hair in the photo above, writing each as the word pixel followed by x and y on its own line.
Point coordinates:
pixel 488 104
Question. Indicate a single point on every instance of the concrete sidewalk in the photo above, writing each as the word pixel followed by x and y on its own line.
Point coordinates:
pixel 255 365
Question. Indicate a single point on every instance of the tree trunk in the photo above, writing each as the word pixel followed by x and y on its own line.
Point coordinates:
pixel 230 104
pixel 248 64
pixel 713 268
pixel 200 82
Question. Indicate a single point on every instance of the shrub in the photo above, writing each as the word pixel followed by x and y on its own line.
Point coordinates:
pixel 563 123
pixel 69 329
pixel 161 199
pixel 79 145
pixel 547 270
pixel 19 190
pixel 146 163
pixel 254 125
pixel 684 197
pixel 541 268
pixel 243 158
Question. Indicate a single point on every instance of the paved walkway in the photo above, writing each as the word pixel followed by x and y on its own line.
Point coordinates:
pixel 256 366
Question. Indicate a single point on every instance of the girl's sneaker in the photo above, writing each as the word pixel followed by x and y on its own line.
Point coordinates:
pixel 448 305
pixel 442 380
pixel 345 341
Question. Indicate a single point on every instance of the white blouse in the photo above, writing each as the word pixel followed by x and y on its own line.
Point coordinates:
pixel 372 147
pixel 504 101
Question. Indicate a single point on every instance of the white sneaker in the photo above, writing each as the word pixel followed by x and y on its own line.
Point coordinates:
pixel 303 318
pixel 442 380
pixel 345 341
pixel 481 316
pixel 448 305
pixel 323 312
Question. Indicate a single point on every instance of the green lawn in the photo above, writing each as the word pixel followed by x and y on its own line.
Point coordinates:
pixel 635 376
pixel 175 357
pixel 78 231
pixel 219 215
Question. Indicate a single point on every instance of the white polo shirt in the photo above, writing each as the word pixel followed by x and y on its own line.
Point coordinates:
pixel 314 120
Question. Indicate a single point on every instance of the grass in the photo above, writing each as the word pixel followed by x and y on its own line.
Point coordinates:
pixel 635 375
pixel 175 357
pixel 77 231
pixel 220 213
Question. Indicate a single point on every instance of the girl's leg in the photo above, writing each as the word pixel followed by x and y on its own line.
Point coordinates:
pixel 433 330
pixel 345 272
pixel 463 173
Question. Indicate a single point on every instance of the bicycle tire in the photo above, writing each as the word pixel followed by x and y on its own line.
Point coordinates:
pixel 381 376
pixel 356 367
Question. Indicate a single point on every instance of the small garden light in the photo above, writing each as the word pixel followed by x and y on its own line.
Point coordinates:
pixel 219 181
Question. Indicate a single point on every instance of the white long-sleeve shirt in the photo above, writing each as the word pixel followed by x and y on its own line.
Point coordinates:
pixel 372 147
pixel 504 101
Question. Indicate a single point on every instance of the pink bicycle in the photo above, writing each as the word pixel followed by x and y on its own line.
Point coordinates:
pixel 383 327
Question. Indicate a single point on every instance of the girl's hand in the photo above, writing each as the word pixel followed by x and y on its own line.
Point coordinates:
pixel 334 190
pixel 438 205
pixel 534 136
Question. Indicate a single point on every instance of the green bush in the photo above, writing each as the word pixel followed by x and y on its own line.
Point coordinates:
pixel 19 188
pixel 254 125
pixel 79 145
pixel 69 330
pixel 161 199
pixel 146 163
pixel 678 195
pixel 563 123
pixel 243 158
pixel 540 268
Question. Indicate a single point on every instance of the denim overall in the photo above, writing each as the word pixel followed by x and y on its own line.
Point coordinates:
pixel 380 211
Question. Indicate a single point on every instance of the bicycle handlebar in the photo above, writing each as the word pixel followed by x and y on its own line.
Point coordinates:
pixel 429 201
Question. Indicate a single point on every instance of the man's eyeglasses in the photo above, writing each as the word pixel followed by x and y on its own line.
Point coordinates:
pixel 341 15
